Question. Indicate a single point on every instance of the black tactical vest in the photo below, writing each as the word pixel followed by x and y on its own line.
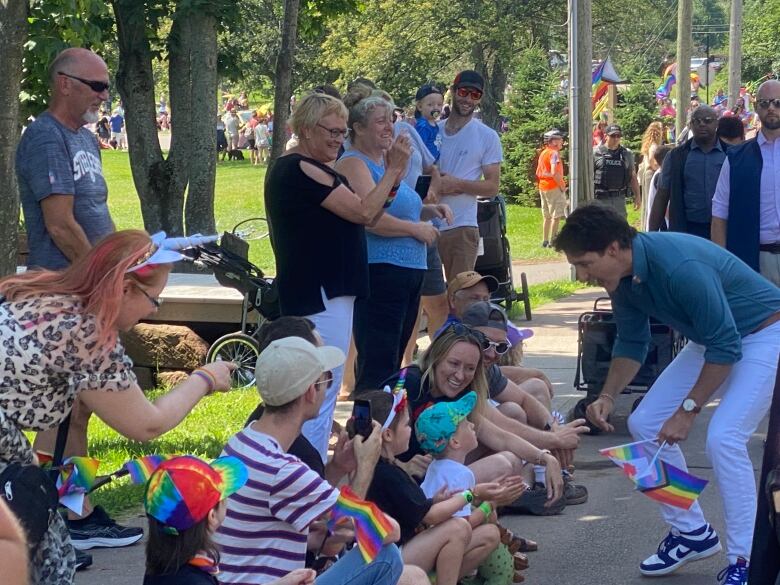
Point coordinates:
pixel 612 172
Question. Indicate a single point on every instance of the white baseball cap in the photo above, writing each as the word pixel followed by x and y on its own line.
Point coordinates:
pixel 288 366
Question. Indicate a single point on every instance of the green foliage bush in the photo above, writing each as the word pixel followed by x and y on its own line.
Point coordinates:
pixel 635 110
pixel 535 104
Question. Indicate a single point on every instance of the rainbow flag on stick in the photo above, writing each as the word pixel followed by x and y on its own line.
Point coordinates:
pixel 654 477
pixel 371 525
pixel 142 468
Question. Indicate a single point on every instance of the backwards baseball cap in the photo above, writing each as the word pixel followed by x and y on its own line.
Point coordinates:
pixel 436 424
pixel 181 491
pixel 288 366
pixel 469 78
pixel 613 129
pixel 470 278
pixel 425 91
pixel 485 314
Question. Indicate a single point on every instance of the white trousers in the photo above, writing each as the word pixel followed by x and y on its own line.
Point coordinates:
pixel 769 264
pixel 334 326
pixel 745 397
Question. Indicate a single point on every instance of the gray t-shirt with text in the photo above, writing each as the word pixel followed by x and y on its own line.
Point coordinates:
pixel 52 159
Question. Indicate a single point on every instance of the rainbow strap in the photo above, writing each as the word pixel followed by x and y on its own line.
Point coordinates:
pixel 371 525
pixel 141 469
pixel 657 479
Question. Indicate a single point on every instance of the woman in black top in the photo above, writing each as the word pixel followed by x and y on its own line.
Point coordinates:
pixel 317 232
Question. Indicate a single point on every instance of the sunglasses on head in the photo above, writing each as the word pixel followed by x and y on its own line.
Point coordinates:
pixel 764 104
pixel 96 86
pixel 471 92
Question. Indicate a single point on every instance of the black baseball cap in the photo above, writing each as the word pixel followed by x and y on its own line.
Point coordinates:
pixel 613 129
pixel 425 91
pixel 469 78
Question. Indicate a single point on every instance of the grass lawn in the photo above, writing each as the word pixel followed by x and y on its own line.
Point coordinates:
pixel 206 429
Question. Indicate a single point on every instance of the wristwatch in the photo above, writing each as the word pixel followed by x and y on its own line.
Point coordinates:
pixel 689 405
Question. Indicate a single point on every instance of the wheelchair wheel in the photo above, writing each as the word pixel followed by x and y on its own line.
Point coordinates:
pixel 241 349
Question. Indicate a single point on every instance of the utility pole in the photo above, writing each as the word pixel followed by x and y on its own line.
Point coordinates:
pixel 684 27
pixel 735 52
pixel 580 113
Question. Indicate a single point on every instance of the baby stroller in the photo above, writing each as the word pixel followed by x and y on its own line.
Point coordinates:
pixel 496 258
pixel 228 261
pixel 596 337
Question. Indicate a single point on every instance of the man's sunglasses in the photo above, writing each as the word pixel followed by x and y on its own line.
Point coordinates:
pixel 474 94
pixel 96 86
pixel 703 121
pixel 480 338
pixel 764 104
pixel 500 347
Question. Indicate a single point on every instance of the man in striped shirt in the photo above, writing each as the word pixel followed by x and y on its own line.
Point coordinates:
pixel 266 529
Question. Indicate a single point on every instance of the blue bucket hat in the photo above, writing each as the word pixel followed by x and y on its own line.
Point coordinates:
pixel 436 424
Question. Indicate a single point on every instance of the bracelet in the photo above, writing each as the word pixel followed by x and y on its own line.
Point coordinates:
pixel 211 381
pixel 391 196
pixel 607 396
pixel 468 496
pixel 486 508
pixel 540 458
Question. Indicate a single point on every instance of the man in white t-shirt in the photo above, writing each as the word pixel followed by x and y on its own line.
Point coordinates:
pixel 470 166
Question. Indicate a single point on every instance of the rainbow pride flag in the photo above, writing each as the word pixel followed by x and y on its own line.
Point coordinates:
pixel 77 474
pixel 657 479
pixel 371 525
pixel 142 468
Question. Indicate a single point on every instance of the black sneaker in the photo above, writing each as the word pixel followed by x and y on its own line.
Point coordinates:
pixel 99 530
pixel 546 244
pixel 83 560
pixel 533 501
pixel 574 493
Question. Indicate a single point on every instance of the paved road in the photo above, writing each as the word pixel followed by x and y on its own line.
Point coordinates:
pixel 601 541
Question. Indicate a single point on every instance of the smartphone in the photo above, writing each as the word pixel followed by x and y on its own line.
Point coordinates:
pixel 422 185
pixel 361 418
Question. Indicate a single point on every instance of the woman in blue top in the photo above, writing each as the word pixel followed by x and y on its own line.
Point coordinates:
pixel 396 243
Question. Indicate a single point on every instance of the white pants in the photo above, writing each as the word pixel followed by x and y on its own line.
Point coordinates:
pixel 334 326
pixel 745 397
pixel 769 264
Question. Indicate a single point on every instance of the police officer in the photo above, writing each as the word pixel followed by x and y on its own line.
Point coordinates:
pixel 614 172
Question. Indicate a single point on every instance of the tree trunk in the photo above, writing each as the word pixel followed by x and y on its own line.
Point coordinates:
pixel 283 78
pixel 153 176
pixel 13 32
pixel 202 149
pixel 192 70
pixel 487 63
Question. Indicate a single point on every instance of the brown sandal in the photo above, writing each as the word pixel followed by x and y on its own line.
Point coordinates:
pixel 518 577
pixel 520 560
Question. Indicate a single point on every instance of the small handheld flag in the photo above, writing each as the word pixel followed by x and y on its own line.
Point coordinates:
pixel 371 525
pixel 654 477
pixel 141 469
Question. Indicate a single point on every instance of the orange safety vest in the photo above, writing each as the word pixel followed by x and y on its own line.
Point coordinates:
pixel 545 170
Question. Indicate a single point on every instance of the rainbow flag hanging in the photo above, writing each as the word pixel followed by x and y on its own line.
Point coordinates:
pixel 371 525
pixel 654 477
pixel 142 468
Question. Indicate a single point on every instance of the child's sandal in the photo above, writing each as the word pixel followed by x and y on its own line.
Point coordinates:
pixel 518 577
pixel 521 561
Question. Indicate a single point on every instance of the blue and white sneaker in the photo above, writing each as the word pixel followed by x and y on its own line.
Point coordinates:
pixel 679 548
pixel 736 574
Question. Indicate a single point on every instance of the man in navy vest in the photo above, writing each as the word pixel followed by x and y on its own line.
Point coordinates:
pixel 614 173
pixel 750 177
pixel 688 178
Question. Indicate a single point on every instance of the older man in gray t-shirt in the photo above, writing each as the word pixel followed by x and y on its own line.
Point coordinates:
pixel 58 166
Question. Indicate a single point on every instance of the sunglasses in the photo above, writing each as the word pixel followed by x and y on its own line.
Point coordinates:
pixel 156 302
pixel 480 338
pixel 702 121
pixel 335 132
pixel 764 104
pixel 96 86
pixel 500 347
pixel 474 94
pixel 328 380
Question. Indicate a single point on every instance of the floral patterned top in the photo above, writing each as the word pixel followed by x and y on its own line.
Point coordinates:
pixel 48 354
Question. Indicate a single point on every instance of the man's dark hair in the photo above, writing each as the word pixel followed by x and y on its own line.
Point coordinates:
pixel 279 329
pixel 731 127
pixel 328 89
pixel 592 228
pixel 659 154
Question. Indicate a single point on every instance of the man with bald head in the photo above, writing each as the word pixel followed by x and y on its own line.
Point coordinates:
pixel 688 178
pixel 64 198
pixel 63 192
pixel 750 178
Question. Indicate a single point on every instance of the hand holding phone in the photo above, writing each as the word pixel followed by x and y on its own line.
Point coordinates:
pixel 422 186
pixel 362 422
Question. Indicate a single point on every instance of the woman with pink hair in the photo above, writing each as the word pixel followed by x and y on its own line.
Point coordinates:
pixel 60 333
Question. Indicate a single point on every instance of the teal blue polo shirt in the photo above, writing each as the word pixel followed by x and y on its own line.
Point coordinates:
pixel 700 289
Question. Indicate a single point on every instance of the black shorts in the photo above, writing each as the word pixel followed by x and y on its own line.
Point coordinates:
pixel 433 280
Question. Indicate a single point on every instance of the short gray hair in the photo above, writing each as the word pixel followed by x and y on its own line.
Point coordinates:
pixel 312 109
